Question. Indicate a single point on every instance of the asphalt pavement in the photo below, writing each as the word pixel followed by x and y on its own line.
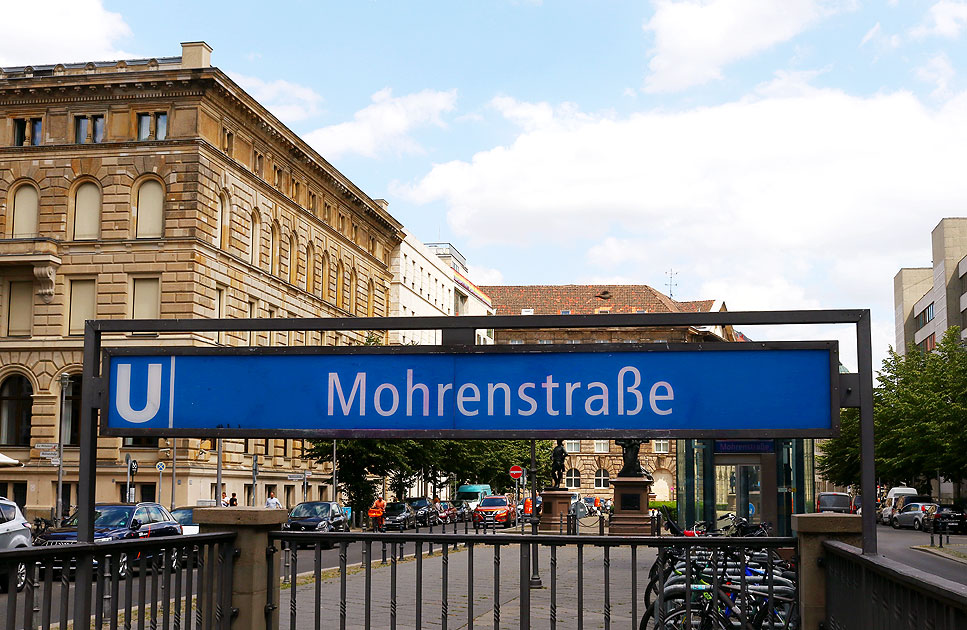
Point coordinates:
pixel 896 545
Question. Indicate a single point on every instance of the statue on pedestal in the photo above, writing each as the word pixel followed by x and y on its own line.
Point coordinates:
pixel 629 456
pixel 558 455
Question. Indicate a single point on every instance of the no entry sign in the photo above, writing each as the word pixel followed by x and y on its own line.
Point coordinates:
pixel 516 472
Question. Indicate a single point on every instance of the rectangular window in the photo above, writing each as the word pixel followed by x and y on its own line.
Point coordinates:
pixel 602 446
pixel 572 446
pixel 98 122
pixel 19 132
pixel 296 190
pixel 526 311
pixel 544 342
pixel 82 305
pixel 20 308
pixel 36 131
pixel 659 446
pixel 160 126
pixel 146 298
pixel 81 129
pixel 516 342
pixel 565 312
pixel 144 126
pixel 220 310
pixel 251 315
pixel 229 143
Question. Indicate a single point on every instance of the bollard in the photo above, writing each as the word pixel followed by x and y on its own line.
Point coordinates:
pixel 941 538
pixel 384 552
pixel 600 524
pixel 285 564
pixel 430 523
pixel 560 523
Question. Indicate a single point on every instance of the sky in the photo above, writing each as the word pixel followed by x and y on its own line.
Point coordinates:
pixel 771 154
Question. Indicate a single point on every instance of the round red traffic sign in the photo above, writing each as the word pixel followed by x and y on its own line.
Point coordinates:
pixel 516 472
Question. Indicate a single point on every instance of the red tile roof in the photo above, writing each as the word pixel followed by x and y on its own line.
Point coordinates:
pixel 581 299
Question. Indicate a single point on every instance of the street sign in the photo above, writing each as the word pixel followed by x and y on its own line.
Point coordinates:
pixel 46 446
pixel 160 466
pixel 55 461
pixel 133 465
pixel 516 472
pixel 637 390
pixel 48 454
pixel 130 495
pixel 295 477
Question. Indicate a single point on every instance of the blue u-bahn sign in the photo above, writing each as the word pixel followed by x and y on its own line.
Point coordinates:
pixel 625 390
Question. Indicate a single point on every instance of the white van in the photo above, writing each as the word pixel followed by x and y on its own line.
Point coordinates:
pixel 888 503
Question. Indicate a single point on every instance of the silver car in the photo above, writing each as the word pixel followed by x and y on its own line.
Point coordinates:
pixel 14 534
pixel 912 515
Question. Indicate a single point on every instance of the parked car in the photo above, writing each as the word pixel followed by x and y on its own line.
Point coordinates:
pixel 589 503
pixel 855 504
pixel 463 510
pixel 905 500
pixel 448 513
pixel 886 513
pixel 495 510
pixel 186 516
pixel 911 515
pixel 473 494
pixel 322 516
pixel 838 502
pixel 14 534
pixel 398 515
pixel 117 521
pixel 426 514
pixel 946 518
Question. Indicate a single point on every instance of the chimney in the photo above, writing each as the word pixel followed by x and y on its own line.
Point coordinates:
pixel 382 204
pixel 196 55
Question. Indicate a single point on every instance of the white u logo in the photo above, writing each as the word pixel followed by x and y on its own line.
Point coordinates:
pixel 153 402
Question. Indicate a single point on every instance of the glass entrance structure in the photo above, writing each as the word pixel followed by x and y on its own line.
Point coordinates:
pixel 759 480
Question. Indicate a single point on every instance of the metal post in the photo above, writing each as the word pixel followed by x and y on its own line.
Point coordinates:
pixel 127 488
pixel 218 472
pixel 335 485
pixel 174 475
pixel 535 580
pixel 91 393
pixel 255 477
pixel 159 484
pixel 65 381
pixel 864 359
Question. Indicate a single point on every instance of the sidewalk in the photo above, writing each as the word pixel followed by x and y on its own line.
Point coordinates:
pixel 458 598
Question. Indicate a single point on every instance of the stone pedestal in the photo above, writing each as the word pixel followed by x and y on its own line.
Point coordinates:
pixel 251 526
pixel 813 530
pixel 556 503
pixel 631 512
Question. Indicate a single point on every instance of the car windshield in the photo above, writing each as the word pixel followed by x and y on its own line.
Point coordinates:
pixel 468 495
pixel 418 503
pixel 395 508
pixel 493 501
pixel 310 510
pixel 834 500
pixel 184 516
pixel 106 516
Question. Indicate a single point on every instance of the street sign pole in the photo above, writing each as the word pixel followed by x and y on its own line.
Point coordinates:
pixel 174 459
pixel 305 485
pixel 255 476
pixel 334 484
pixel 65 382
pixel 161 469
pixel 127 488
pixel 535 581
pixel 218 473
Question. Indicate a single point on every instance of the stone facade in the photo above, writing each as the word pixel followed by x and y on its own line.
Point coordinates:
pixel 591 463
pixel 251 222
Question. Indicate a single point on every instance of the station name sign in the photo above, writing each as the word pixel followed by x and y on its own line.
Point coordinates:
pixel 626 390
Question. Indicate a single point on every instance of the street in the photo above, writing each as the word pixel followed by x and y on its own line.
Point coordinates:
pixel 895 544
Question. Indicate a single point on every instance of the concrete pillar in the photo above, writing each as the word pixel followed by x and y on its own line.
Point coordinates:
pixel 812 530
pixel 249 589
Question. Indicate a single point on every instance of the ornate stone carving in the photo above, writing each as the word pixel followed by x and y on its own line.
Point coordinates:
pixel 45 274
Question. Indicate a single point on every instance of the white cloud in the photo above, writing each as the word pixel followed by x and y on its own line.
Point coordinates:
pixel 938 71
pixel 485 275
pixel 62 31
pixel 793 197
pixel 946 18
pixel 290 102
pixel 870 34
pixel 696 39
pixel 386 125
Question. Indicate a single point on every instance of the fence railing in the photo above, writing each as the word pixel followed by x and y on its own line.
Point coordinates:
pixel 868 591
pixel 367 580
pixel 176 583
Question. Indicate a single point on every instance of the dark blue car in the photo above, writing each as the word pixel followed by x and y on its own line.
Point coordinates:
pixel 117 521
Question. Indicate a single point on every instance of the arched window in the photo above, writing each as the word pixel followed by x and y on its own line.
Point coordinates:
pixel 573 478
pixel 274 249
pixel 601 479
pixel 71 426
pixel 326 270
pixel 370 299
pixel 340 285
pixel 87 212
pixel 223 222
pixel 149 213
pixel 310 268
pixel 293 259
pixel 353 288
pixel 256 240
pixel 16 400
pixel 25 212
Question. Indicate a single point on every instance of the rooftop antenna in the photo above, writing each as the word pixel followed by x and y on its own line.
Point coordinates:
pixel 671 284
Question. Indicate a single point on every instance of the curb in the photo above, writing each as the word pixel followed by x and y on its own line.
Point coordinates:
pixel 935 552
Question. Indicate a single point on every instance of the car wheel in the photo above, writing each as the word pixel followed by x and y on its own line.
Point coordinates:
pixel 896 523
pixel 917 525
pixel 123 569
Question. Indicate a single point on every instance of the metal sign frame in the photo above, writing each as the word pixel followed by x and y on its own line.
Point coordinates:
pixel 832 347
pixel 856 390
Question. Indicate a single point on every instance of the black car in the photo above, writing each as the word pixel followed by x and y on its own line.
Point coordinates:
pixel 117 521
pixel 317 516
pixel 463 510
pixel 946 518
pixel 426 514
pixel 398 515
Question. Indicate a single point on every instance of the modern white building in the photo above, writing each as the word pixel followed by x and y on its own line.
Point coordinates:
pixel 468 298
pixel 929 300
pixel 422 286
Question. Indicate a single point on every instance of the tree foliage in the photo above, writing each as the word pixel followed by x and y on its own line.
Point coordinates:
pixel 920 420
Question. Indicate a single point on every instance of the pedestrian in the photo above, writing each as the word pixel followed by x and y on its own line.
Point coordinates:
pixel 224 500
pixel 377 514
pixel 233 502
pixel 272 502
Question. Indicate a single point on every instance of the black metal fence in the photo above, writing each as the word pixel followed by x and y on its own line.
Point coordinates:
pixel 867 591
pixel 511 580
pixel 177 583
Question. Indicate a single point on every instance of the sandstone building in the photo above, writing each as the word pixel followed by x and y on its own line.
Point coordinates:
pixel 593 463
pixel 157 188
